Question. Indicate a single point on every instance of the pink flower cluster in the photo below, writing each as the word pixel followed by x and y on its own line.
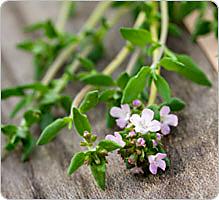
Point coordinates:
pixel 141 124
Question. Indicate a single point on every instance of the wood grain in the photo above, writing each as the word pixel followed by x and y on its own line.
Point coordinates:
pixel 192 147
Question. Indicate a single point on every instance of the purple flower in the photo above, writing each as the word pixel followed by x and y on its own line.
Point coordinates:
pixel 145 122
pixel 123 114
pixel 116 138
pixel 141 142
pixel 167 120
pixel 132 133
pixel 159 136
pixel 136 103
pixel 156 161
pixel 154 143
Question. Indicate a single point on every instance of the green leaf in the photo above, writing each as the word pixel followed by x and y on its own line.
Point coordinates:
pixel 98 79
pixel 65 102
pixel 22 132
pixel 175 104
pixel 106 95
pixel 9 129
pixel 99 173
pixel 87 63
pixel 152 48
pixel 20 105
pixel 135 85
pixel 50 30
pixel 97 52
pixel 110 121
pixel 170 64
pixel 192 71
pixel 26 45
pixel 186 8
pixel 186 67
pixel 28 146
pixel 46 119
pixel 122 80
pixel 32 116
pixel 163 87
pixel 34 27
pixel 19 91
pixel 109 145
pixel 90 101
pixel 174 30
pixel 76 162
pixel 202 27
pixel 139 37
pixel 13 142
pixel 52 130
pixel 81 122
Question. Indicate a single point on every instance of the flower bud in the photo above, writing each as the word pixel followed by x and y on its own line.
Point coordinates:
pixel 138 152
pixel 87 135
pixel 132 133
pixel 136 103
pixel 103 152
pixel 158 135
pixel 93 138
pixel 140 142
pixel 83 144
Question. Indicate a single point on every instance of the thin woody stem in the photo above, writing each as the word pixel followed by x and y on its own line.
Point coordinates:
pixel 63 15
pixel 112 66
pixel 133 60
pixel 65 53
pixel 159 52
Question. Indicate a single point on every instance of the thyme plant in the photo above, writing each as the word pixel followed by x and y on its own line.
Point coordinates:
pixel 138 101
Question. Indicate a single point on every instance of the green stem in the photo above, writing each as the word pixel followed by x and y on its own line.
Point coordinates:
pixel 112 66
pixel 63 15
pixel 133 60
pixel 65 53
pixel 159 52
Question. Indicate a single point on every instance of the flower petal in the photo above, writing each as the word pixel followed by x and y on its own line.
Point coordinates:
pixel 160 156
pixel 165 110
pixel 117 135
pixel 153 168
pixel 171 120
pixel 162 164
pixel 121 123
pixel 147 115
pixel 126 109
pixel 116 112
pixel 117 139
pixel 165 129
pixel 135 119
pixel 154 126
pixel 111 137
pixel 151 158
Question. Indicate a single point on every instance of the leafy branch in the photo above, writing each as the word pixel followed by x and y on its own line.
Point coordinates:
pixel 131 98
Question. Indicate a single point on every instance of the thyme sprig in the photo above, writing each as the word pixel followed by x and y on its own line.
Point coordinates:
pixel 138 101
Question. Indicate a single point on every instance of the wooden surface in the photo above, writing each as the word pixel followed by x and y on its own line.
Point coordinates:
pixel 192 147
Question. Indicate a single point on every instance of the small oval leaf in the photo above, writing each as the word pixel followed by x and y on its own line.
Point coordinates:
pixel 135 85
pixel 81 122
pixel 76 162
pixel 52 130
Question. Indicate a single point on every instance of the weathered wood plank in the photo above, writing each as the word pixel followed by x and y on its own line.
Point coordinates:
pixel 192 147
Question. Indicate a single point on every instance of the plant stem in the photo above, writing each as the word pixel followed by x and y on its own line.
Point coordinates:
pixel 63 15
pixel 133 60
pixel 112 66
pixel 159 52
pixel 75 64
pixel 65 53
